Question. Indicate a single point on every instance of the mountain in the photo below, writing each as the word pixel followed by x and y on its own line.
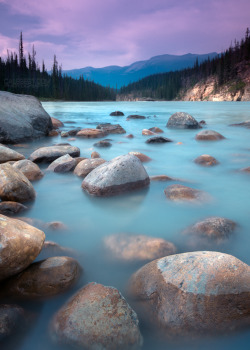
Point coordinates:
pixel 116 76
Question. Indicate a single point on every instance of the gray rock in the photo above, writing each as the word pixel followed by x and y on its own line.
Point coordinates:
pixel 12 320
pixel 22 117
pixel 7 154
pixel 49 154
pixel 158 139
pixel 103 143
pixel 62 164
pixel 87 165
pixel 182 120
pixel 11 208
pixel 29 169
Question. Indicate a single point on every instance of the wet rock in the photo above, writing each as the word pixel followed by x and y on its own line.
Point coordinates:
pixel 95 155
pixel 245 124
pixel 44 279
pixel 29 169
pixel 246 170
pixel 103 143
pixel 56 225
pixel 143 158
pixel 20 244
pixel 156 130
pixel 79 159
pixel 11 208
pixel 182 120
pixel 161 178
pixel 147 132
pixel 64 134
pixel 7 154
pixel 91 133
pixel 202 122
pixel 206 160
pixel 117 114
pixel 183 193
pixel 63 164
pixel 88 165
pixel 135 116
pixel 49 154
pixel 197 292
pixel 70 122
pixel 51 249
pixel 133 248
pixel 130 136
pixel 56 123
pixel 111 129
pixel 158 139
pixel 121 174
pixel 209 135
pixel 53 133
pixel 97 317
pixel 12 320
pixel 14 185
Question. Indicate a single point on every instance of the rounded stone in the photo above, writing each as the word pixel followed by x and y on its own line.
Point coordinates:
pixel 135 116
pixel 147 132
pixel 95 155
pixel 206 160
pixel 156 130
pixel 91 133
pixel 62 164
pixel 64 134
pixel 184 193
pixel 7 154
pixel 103 143
pixel 29 169
pixel 86 166
pixel 12 320
pixel 182 120
pixel 53 133
pixel 11 208
pixel 111 129
pixel 246 170
pixel 209 135
pixel 20 244
pixel 117 114
pixel 158 139
pixel 161 178
pixel 143 158
pixel 56 123
pixel 129 136
pixel 51 153
pixel 97 317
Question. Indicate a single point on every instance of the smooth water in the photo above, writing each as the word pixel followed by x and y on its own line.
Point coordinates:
pixel 149 212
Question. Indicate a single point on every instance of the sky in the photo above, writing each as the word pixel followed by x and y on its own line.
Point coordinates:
pixel 99 33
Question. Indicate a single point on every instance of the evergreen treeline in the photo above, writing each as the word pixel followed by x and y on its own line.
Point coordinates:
pixel 23 75
pixel 167 86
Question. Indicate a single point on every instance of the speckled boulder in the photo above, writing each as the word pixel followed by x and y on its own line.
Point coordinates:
pixel 62 164
pixel 20 244
pixel 11 208
pixel 182 120
pixel 206 160
pixel 87 165
pixel 143 158
pixel 183 193
pixel 121 174
pixel 197 292
pixel 29 169
pixel 209 135
pixel 7 154
pixel 49 154
pixel 91 133
pixel 97 317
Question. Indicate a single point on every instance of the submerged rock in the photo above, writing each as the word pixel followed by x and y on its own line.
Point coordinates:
pixel 129 136
pixel 29 169
pixel 158 139
pixel 7 154
pixel 117 114
pixel 103 143
pixel 183 193
pixel 182 120
pixel 112 129
pixel 246 170
pixel 12 320
pixel 51 249
pixel 206 160
pixel 245 124
pixel 135 116
pixel 97 317
pixel 56 123
pixel 62 164
pixel 161 178
pixel 56 225
pixel 91 133
pixel 209 135
pixel 11 208
pixel 143 158
pixel 87 165
pixel 49 154
pixel 147 132
pixel 53 133
pixel 156 130
pixel 121 174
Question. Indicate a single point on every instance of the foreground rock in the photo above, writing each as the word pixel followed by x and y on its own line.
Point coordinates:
pixel 206 160
pixel 182 120
pixel 158 139
pixel 20 244
pixel 12 320
pixel 112 129
pixel 97 317
pixel 11 208
pixel 183 193
pixel 14 185
pixel 29 169
pixel 87 165
pixel 7 154
pixel 44 279
pixel 143 158
pixel 245 124
pixel 121 174
pixel 209 135
pixel 22 117
pixel 133 248
pixel 56 123
pixel 91 133
pixel 63 164
pixel 135 116
pixel 196 292
pixel 117 114
pixel 49 154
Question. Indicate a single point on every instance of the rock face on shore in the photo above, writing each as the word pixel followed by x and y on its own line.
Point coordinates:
pixel 29 169
pixel 182 120
pixel 121 174
pixel 49 154
pixel 97 317
pixel 209 135
pixel 22 117
pixel 7 154
pixel 197 292
pixel 20 244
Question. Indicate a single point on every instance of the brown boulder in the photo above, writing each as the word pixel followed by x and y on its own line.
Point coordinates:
pixel 87 165
pixel 11 208
pixel 95 155
pixel 51 153
pixel 206 160
pixel 209 135
pixel 143 158
pixel 29 169
pixel 7 154
pixel 156 130
pixel 129 136
pixel 183 193
pixel 62 164
pixel 53 133
pixel 56 123
pixel 91 133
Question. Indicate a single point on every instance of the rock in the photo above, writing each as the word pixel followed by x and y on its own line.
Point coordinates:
pixel 79 159
pixel 20 244
pixel 7 154
pixel 130 136
pixel 206 160
pixel 29 169
pixel 44 279
pixel 121 174
pixel 135 116
pixel 246 170
pixel 147 132
pixel 111 129
pixel 22 117
pixel 103 143
pixel 182 120
pixel 56 123
pixel 95 155
pixel 156 130
pixel 53 133
pixel 208 135
pixel 73 132
pixel 143 158
pixel 97 317
pixel 14 185
pixel 64 134
pixel 91 133
pixel 12 320
pixel 117 114
pixel 161 178
pixel 63 164
pixel 11 208
pixel 49 154
pixel 245 124
pixel 158 139
pixel 87 165
pixel 184 193
pixel 72 139
pixel 51 249
pixel 70 122
pixel 56 225
pixel 33 222
pixel 133 248
pixel 202 122
pixel 197 292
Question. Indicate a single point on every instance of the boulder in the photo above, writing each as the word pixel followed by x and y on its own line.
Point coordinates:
pixel 197 292
pixel 161 178
pixel 182 120
pixel 62 164
pixel 117 114
pixel 156 130
pixel 56 123
pixel 245 124
pixel 95 155
pixel 103 143
pixel 79 159
pixel 91 133
pixel 147 132
pixel 11 208
pixel 97 317
pixel 206 160
pixel 111 129
pixel 135 116
pixel 143 158
pixel 29 169
pixel 22 117
pixel 209 135
pixel 7 154
pixel 49 154
pixel 12 320
pixel 183 193
pixel 43 279
pixel 20 244
pixel 73 132
pixel 121 174
pixel 87 165
pixel 133 248
pixel 14 185
pixel 158 139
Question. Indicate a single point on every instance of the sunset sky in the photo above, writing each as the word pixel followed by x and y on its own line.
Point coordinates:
pixel 119 32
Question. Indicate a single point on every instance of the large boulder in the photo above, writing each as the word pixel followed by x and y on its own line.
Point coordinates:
pixel 206 160
pixel 20 244
pixel 29 169
pixel 86 166
pixel 121 174
pixel 22 117
pixel 178 192
pixel 7 154
pixel 14 185
pixel 209 135
pixel 92 133
pixel 182 120
pixel 97 317
pixel 196 292
pixel 62 164
pixel 49 154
